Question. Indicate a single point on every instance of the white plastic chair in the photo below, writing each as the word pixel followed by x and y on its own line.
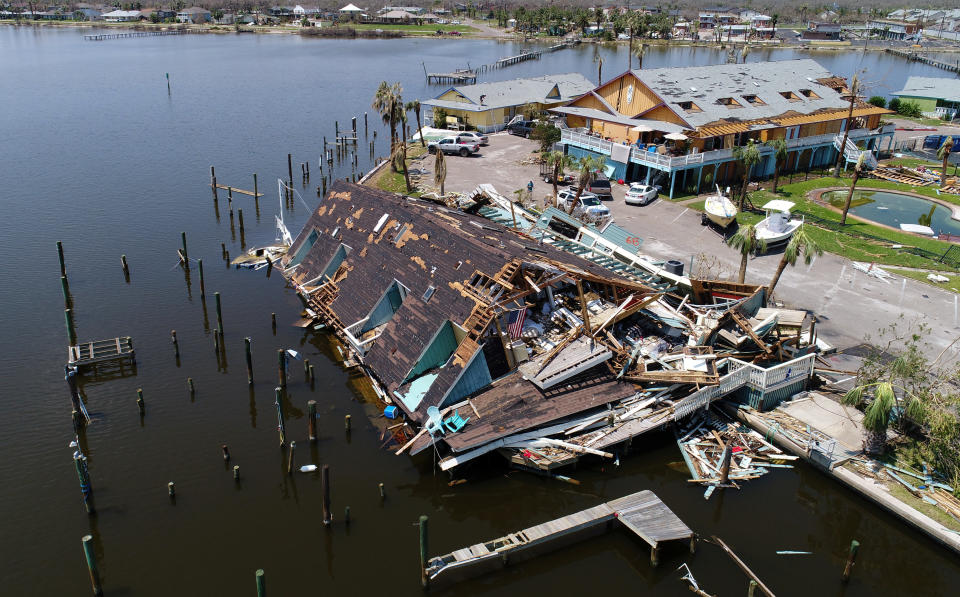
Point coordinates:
pixel 434 420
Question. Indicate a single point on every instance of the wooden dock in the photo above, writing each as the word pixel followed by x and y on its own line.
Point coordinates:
pixel 641 513
pixel 917 57
pixel 458 76
pixel 105 36
pixel 85 354
pixel 236 190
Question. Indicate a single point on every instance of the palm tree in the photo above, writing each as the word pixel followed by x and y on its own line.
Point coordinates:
pixel 599 60
pixel 944 154
pixel 779 156
pixel 598 15
pixel 857 170
pixel 640 53
pixel 745 240
pixel 877 416
pixel 854 90
pixel 749 156
pixel 801 243
pixel 414 107
pixel 559 162
pixel 587 166
pixel 440 171
pixel 399 155
pixel 389 103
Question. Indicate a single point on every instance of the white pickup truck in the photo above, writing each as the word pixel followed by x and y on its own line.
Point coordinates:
pixel 453 145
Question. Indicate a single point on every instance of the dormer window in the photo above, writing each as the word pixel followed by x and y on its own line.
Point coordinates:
pixel 790 96
pixel 729 102
pixel 754 100
pixel 809 94
pixel 689 107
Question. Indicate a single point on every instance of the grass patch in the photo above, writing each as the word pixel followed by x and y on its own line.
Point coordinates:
pixel 921 120
pixel 901 493
pixel 909 162
pixel 953 284
pixel 394 182
pixel 418 29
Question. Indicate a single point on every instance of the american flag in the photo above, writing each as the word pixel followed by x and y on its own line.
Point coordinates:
pixel 516 325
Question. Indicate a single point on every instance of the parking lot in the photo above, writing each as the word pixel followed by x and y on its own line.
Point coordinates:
pixel 849 304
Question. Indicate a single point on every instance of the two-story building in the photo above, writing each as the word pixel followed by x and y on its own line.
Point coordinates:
pixel 195 15
pixel 679 126
pixel 938 97
pixel 889 29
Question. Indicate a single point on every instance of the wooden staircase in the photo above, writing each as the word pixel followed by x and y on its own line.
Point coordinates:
pixel 476 324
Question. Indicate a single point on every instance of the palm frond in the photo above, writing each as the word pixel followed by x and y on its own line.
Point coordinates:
pixel 854 397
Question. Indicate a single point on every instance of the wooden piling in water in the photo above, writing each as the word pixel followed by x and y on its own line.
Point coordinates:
pixel 203 290
pixel 236 472
pixel 851 557
pixel 65 287
pixel 123 264
pixel 424 550
pixel 282 368
pixel 140 405
pixel 71 331
pixel 246 348
pixel 293 448
pixel 261 584
pixel 88 552
pixel 310 375
pixel 725 465
pixel 63 265
pixel 366 129
pixel 312 420
pixel 83 473
pixel 383 493
pixel 190 387
pixel 325 488
pixel 226 452
pixel 183 241
pixel 171 490
pixel 223 250
pixel 290 171
pixel 240 215
pixel 216 298
pixel 346 423
pixel 346 515
pixel 273 321
pixel 176 345
pixel 752 588
pixel 281 427
pixel 256 196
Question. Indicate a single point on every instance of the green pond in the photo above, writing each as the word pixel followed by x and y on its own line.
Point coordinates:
pixel 893 209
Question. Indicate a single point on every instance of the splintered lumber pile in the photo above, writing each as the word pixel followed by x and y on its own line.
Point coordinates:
pixel 751 456
pixel 904 175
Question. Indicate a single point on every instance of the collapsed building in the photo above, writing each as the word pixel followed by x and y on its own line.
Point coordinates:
pixel 544 339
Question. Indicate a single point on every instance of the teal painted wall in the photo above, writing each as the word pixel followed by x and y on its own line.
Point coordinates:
pixel 385 309
pixel 476 376
pixel 304 249
pixel 440 349
pixel 338 258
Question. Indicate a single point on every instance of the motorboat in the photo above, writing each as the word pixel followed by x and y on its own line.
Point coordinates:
pixel 778 226
pixel 720 210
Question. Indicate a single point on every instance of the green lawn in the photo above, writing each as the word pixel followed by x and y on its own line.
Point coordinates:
pixel 851 243
pixel 953 284
pixel 394 182
pixel 419 29
pixel 922 120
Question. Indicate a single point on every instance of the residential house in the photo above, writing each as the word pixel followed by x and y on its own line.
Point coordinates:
pixel 822 31
pixel 490 106
pixel 411 9
pixel 888 29
pixel 398 16
pixel 194 15
pixel 710 19
pixel 87 12
pixel 121 16
pixel 162 14
pixel 350 12
pixel 716 108
pixel 937 97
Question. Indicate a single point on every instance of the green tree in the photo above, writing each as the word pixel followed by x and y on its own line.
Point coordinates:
pixel 389 103
pixel 746 242
pixel 857 170
pixel 640 53
pixel 582 20
pixel 944 154
pixel 780 157
pixel 878 101
pixel 440 171
pixel 558 162
pixel 598 15
pixel 894 104
pixel 587 166
pixel 546 134
pixel 749 156
pixel 414 106
pixel 801 243
pixel 854 91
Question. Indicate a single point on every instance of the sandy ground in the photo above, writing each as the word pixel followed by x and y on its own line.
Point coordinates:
pixel 849 304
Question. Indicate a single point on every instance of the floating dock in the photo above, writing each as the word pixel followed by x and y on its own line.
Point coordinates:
pixel 457 76
pixel 917 57
pixel 642 513
pixel 105 36
pixel 98 351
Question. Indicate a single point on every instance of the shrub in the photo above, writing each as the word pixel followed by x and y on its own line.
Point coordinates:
pixel 546 134
pixel 878 101
pixel 910 109
pixel 894 104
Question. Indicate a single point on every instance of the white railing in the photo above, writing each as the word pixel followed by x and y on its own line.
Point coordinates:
pixel 852 153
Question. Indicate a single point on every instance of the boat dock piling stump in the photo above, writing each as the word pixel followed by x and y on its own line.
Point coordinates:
pixel 216 297
pixel 281 427
pixel 92 564
pixel 83 473
pixel 261 584
pixel 216 341
pixel 256 197
pixel 752 589
pixel 246 347
pixel 365 128
pixel 63 265
pixel 230 194
pixel 854 548
pixel 290 173
pixel 311 376
pixel 190 386
pixel 654 556
pixel 324 188
pixel 346 423
pixel 140 404
pixel 171 490
pixel 282 368
pixel 236 472
pixel 346 515
pixel 383 493
pixel 223 250
pixel 65 286
pixel 306 368
pixel 240 213
pixel 424 551
pixel 312 420
pixel 183 241
pixel 226 452
pixel 203 290
pixel 693 544
pixel 725 465
pixel 354 122
pixel 325 484
pixel 273 321
pixel 336 130
pixel 176 345
pixel 293 448
pixel 71 332
pixel 123 264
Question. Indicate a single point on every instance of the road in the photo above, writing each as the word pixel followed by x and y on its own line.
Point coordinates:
pixel 849 305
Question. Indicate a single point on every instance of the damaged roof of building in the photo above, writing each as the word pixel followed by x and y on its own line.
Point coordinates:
pixel 369 239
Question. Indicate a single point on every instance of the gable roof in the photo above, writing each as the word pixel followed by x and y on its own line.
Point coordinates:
pixel 351 8
pixel 706 85
pixel 516 92
pixel 931 87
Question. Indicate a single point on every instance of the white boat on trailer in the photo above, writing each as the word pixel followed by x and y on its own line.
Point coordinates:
pixel 719 209
pixel 778 226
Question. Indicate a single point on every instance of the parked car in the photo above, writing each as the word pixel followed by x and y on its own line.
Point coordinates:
pixel 600 186
pixel 589 202
pixel 451 145
pixel 454 33
pixel 522 128
pixel 565 179
pixel 454 22
pixel 471 137
pixel 641 194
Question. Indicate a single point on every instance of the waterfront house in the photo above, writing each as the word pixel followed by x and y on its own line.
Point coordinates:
pixel 87 12
pixel 350 12
pixel 490 106
pixel 716 108
pixel 889 29
pixel 398 16
pixel 195 15
pixel 937 97
pixel 121 16
pixel 822 31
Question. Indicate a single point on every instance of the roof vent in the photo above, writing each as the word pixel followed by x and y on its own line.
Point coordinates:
pixel 380 223
pixel 694 89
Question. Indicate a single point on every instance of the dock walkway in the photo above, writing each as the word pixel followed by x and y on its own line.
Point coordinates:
pixel 642 513
pixel 98 351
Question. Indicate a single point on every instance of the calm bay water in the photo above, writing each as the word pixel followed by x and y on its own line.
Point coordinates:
pixel 97 154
